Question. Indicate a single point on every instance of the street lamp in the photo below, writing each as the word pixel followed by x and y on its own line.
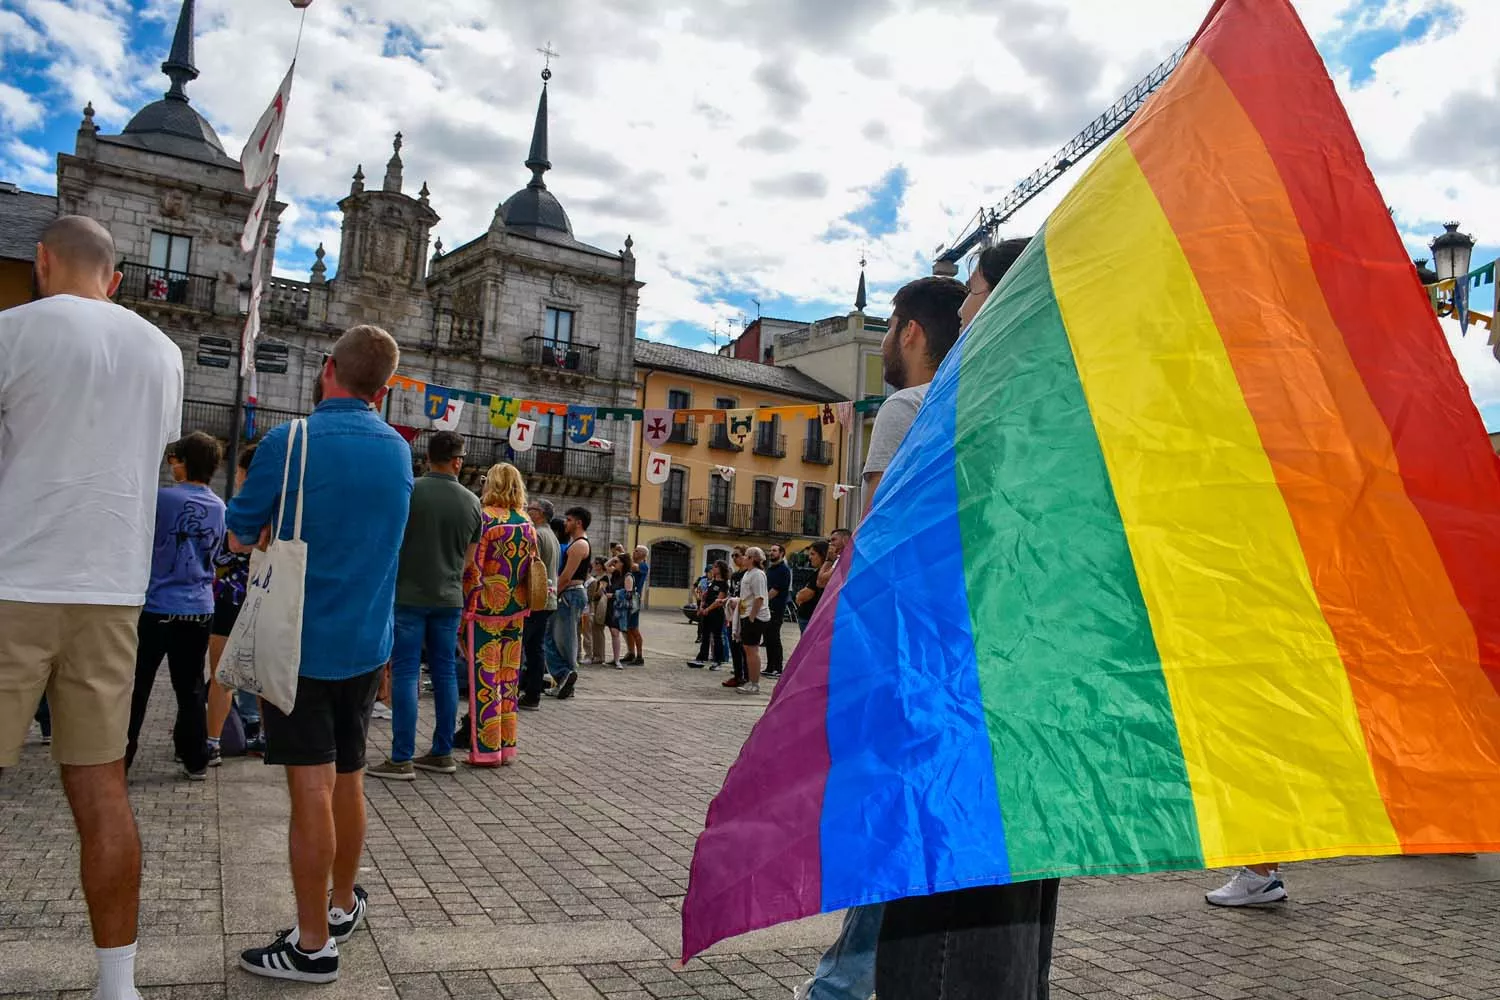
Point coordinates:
pixel 244 299
pixel 1451 252
pixel 1424 273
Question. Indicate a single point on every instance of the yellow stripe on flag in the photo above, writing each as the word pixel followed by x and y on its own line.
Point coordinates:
pixel 1273 744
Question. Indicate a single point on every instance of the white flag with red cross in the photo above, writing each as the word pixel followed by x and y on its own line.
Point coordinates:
pixel 786 492
pixel 258 158
pixel 522 433
pixel 658 466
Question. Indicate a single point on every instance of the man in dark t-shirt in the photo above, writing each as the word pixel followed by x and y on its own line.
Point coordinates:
pixel 779 582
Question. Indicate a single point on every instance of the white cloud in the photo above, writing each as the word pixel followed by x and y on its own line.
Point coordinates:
pixel 729 137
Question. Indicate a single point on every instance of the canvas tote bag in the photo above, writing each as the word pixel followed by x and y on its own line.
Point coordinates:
pixel 264 651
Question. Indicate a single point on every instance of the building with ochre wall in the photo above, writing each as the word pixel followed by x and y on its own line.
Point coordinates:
pixel 697 516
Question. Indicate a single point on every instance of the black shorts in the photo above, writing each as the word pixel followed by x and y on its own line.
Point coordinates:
pixel 753 633
pixel 225 613
pixel 328 725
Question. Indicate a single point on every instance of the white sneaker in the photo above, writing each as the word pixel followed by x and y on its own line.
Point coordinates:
pixel 803 990
pixel 380 711
pixel 748 689
pixel 1249 889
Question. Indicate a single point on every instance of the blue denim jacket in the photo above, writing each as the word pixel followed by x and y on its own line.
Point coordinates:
pixel 358 492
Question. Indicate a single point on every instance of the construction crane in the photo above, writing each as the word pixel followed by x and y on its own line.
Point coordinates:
pixel 982 227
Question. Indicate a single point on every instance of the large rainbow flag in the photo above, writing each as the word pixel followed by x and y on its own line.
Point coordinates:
pixel 1191 558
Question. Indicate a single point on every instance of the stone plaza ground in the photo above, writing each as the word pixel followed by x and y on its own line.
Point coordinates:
pixel 562 878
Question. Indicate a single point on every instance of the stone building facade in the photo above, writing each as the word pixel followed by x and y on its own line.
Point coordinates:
pixel 523 310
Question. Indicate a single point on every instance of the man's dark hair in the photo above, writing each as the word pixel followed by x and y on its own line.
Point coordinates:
pixel 994 261
pixel 559 528
pixel 445 446
pixel 581 514
pixel 247 455
pixel 932 302
pixel 199 454
pixel 841 531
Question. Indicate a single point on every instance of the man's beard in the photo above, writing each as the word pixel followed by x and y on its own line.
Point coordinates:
pixel 318 390
pixel 893 370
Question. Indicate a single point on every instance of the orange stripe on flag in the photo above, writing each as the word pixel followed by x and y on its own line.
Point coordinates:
pixel 1406 642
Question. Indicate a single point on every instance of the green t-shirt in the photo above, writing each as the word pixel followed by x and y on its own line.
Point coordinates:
pixel 551 551
pixel 444 521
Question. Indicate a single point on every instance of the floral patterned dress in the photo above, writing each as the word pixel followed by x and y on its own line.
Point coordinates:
pixel 494 612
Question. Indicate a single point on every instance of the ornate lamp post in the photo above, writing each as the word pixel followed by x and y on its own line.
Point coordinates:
pixel 1451 252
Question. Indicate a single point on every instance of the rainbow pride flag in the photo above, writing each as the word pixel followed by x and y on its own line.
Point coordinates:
pixel 1191 558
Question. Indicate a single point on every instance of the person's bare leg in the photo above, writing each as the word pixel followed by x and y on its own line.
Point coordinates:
pixel 312 847
pixel 110 850
pixel 752 663
pixel 219 696
pixel 349 833
pixel 1264 871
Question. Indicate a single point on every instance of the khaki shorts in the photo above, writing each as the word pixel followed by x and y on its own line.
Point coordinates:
pixel 82 656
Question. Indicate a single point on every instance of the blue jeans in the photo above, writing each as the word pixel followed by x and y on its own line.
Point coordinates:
pixel 437 628
pixel 247 707
pixel 847 969
pixel 561 646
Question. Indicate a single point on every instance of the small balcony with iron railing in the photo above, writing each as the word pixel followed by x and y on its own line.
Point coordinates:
pixel 745 518
pixel 582 464
pixel 157 285
pixel 683 432
pixel 817 451
pixel 718 439
pixel 770 445
pixel 568 357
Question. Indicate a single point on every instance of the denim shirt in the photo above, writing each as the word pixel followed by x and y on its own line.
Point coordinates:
pixel 358 492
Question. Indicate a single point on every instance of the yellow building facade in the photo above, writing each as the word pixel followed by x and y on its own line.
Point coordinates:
pixel 697 515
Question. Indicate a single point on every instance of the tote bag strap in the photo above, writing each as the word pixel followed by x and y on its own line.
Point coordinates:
pixel 286 473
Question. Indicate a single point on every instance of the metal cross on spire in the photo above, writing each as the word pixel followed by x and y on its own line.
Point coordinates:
pixel 549 54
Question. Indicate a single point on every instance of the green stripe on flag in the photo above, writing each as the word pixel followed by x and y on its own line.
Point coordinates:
pixel 1075 700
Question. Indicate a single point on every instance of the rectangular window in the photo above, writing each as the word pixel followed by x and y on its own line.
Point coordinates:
pixel 760 511
pixel 551 431
pixel 874 377
pixel 170 252
pixel 812 510
pixel 679 399
pixel 673 496
pixel 720 495
pixel 559 327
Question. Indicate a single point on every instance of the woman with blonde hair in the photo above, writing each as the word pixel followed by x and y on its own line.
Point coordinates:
pixel 495 607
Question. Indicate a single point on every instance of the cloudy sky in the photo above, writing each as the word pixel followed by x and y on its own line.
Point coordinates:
pixel 754 149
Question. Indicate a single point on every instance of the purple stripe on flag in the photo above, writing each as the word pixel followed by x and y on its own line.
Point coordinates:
pixel 764 824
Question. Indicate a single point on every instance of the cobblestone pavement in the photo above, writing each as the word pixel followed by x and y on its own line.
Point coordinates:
pixel 561 879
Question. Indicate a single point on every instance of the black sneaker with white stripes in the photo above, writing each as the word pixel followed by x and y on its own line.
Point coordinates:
pixel 282 959
pixel 341 925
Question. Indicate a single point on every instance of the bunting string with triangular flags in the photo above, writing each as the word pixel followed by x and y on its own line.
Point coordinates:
pixel 1452 297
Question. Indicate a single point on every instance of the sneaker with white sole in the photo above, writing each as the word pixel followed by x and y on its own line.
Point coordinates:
pixel 342 925
pixel 380 710
pixel 282 959
pixel 747 687
pixel 1247 888
pixel 392 770
pixel 436 764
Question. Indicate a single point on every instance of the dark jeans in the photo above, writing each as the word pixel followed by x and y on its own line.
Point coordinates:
pixel 737 654
pixel 774 654
pixel 711 640
pixel 183 640
pixel 533 653
pixel 989 943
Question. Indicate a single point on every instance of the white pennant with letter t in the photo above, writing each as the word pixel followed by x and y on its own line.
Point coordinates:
pixel 658 466
pixel 258 158
pixel 786 492
pixel 522 432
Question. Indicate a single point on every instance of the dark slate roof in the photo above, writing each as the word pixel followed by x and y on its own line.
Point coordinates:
pixel 174 127
pixel 772 378
pixel 535 211
pixel 23 216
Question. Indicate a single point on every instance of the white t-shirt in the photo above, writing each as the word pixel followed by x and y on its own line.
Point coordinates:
pixel 892 421
pixel 90 397
pixel 753 586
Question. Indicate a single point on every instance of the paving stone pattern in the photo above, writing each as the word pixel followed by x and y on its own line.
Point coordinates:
pixel 561 878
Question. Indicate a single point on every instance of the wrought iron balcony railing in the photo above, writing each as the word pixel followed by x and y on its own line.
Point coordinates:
pixel 142 283
pixel 562 355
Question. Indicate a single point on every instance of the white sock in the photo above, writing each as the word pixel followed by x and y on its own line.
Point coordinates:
pixel 116 973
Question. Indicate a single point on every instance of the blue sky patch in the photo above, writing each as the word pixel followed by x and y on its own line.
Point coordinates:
pixel 879 214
